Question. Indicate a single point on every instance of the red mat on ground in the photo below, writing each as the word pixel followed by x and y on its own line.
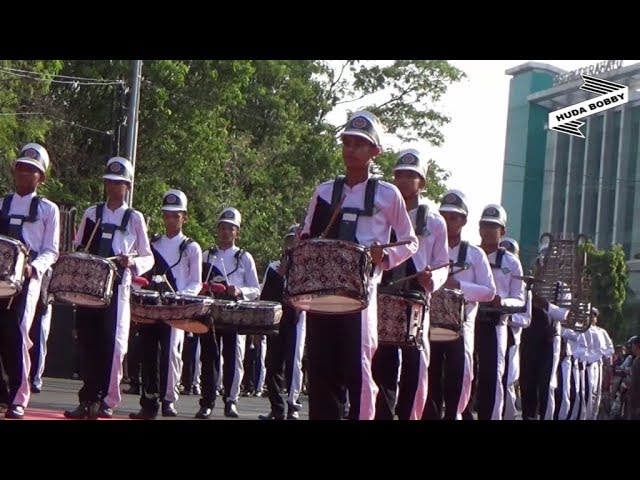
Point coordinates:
pixel 42 414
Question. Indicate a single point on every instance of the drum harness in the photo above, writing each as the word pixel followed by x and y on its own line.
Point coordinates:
pixel 106 234
pixel 408 267
pixel 212 252
pixel 491 316
pixel 14 230
pixel 16 222
pixel 350 215
pixel 160 261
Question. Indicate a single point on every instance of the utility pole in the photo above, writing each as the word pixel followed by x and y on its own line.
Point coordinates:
pixel 132 130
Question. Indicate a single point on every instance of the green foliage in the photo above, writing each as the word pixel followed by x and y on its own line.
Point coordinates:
pixel 22 118
pixel 251 134
pixel 436 176
pixel 609 286
pixel 412 89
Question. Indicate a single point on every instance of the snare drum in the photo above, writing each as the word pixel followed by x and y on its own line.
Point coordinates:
pixel 143 303
pixel 13 258
pixel 447 315
pixel 400 317
pixel 328 276
pixel 191 313
pixel 247 317
pixel 83 279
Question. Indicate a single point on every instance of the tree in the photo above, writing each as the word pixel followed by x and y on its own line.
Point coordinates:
pixel 252 134
pixel 412 88
pixel 609 276
pixel 436 176
pixel 23 85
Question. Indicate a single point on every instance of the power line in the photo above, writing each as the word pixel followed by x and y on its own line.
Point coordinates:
pixel 62 120
pixel 60 76
pixel 64 82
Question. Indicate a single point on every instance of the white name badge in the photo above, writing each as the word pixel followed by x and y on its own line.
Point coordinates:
pixel 108 236
pixel 15 221
pixel 349 217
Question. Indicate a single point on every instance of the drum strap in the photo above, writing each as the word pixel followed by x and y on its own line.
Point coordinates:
pixel 499 257
pixel 162 267
pixel 349 221
pixel 15 222
pixel 212 252
pixel 462 254
pixel 421 220
pixel 107 230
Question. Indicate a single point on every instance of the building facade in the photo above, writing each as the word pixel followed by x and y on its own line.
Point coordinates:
pixel 563 184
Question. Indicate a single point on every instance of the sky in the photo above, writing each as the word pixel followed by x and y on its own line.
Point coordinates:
pixel 473 150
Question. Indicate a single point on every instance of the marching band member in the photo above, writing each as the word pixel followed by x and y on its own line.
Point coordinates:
pixel 410 176
pixel 492 337
pixel 35 221
pixel 114 230
pixel 341 346
pixel 516 322
pixel 605 360
pixel 235 268
pixel 451 362
pixel 284 351
pixel 540 353
pixel 179 260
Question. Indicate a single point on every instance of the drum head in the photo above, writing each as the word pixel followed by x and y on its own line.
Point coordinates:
pixel 328 304
pixel 8 289
pixel 82 299
pixel 145 297
pixel 190 325
pixel 413 296
pixel 439 334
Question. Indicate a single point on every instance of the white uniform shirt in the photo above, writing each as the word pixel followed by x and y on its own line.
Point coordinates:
pixel 476 282
pixel 433 248
pixel 595 346
pixel 606 345
pixel 389 212
pixel 134 239
pixel 245 277
pixel 43 235
pixel 188 271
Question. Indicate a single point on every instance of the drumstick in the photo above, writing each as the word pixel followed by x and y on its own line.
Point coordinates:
pixel 115 257
pixel 396 244
pixel 11 299
pixel 164 277
pixel 224 270
pixel 336 212
pixel 415 275
pixel 93 234
pixel 206 279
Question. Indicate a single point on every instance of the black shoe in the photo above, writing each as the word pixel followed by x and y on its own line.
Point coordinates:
pixel 293 415
pixel 105 411
pixel 204 412
pixel 230 410
pixel 94 410
pixel 80 413
pixel 35 389
pixel 144 414
pixel 196 390
pixel 270 416
pixel 15 411
pixel 168 410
